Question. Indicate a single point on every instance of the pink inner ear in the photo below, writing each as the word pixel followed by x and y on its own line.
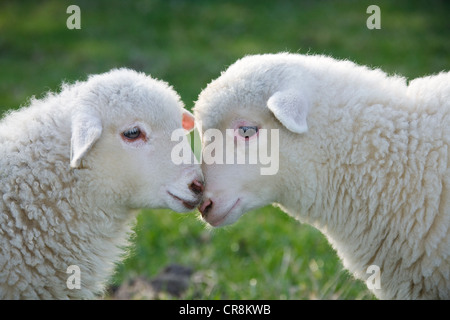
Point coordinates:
pixel 187 121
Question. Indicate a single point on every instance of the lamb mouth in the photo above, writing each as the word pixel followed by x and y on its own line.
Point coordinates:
pixel 219 221
pixel 188 204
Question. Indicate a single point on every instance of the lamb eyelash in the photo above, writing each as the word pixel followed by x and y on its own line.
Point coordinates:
pixel 132 134
pixel 132 131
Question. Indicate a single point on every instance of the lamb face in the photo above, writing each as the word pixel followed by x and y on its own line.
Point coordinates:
pixel 124 136
pixel 245 175
pixel 363 157
pixel 74 166
pixel 252 124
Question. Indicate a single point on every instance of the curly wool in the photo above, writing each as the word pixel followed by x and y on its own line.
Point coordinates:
pixel 370 169
pixel 55 212
pixel 48 220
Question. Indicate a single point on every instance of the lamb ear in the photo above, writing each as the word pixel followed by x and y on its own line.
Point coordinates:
pixel 291 108
pixel 188 121
pixel 86 130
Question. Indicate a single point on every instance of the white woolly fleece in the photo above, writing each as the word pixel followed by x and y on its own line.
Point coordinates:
pixel 70 181
pixel 370 168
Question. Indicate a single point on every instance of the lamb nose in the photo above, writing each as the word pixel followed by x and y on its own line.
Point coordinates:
pixel 196 186
pixel 205 207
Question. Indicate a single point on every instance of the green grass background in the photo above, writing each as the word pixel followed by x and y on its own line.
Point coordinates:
pixel 266 254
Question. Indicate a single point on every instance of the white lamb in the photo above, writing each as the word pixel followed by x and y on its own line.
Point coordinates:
pixel 73 167
pixel 363 157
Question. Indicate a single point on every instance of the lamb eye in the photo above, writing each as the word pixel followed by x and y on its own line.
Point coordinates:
pixel 132 134
pixel 248 131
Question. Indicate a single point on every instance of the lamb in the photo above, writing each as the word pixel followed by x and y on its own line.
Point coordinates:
pixel 74 168
pixel 363 157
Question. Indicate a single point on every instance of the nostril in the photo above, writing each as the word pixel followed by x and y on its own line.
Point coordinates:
pixel 205 207
pixel 196 186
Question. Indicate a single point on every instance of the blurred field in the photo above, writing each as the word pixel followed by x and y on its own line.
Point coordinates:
pixel 266 255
